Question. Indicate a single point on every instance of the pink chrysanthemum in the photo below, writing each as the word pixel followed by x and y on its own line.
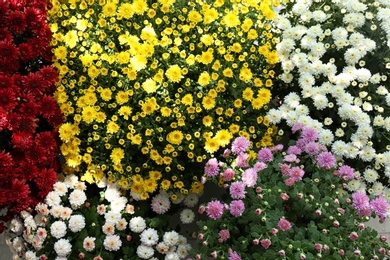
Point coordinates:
pixel 214 209
pixel 234 256
pixel 265 155
pixel 326 160
pixel 237 190
pixel 211 168
pixel 379 206
pixel 224 234
pixel 284 224
pixel 360 200
pixel 236 207
pixel 240 145
pixel 309 134
pixel 249 177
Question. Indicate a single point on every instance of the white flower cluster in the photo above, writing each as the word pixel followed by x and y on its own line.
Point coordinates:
pixel 325 63
pixel 59 218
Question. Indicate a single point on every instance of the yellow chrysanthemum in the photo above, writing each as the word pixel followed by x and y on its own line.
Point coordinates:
pixel 149 106
pixel 208 102
pixel 140 6
pixel 122 97
pixel 207 120
pixel 60 52
pixel 112 127
pixel 174 73
pixel 136 139
pixel 175 137
pixel 245 74
pixel 231 19
pixel 247 94
pixel 165 111
pixel 194 16
pixel 155 175
pixel 165 184
pixel 149 86
pixel 71 38
pixel 125 111
pixel 67 131
pixel 187 100
pixel 117 154
pixel 126 10
pixel 150 185
pixel 210 15
pixel 88 114
pixel 109 9
pixel 207 57
pixel 223 137
pixel 204 78
pixel 211 145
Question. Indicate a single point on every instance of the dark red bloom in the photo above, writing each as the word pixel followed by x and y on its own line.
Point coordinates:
pixel 29 108
pixel 3 119
pixel 21 141
pixel 16 22
pixel 35 84
pixel 7 99
pixel 8 50
pixel 46 140
pixel 49 75
pixel 6 159
pixel 26 52
pixel 48 106
pixel 5 35
pixel 45 185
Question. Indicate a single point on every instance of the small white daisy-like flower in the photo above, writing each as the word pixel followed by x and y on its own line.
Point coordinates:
pixel 71 180
pixel 121 224
pixel 30 255
pixel 58 229
pixel 325 137
pixel 112 192
pixel 172 256
pixel 149 237
pixel 353 185
pixel 162 248
pixel 52 199
pixel 187 216
pixel 137 224
pixel 76 223
pixel 377 188
pixel 65 213
pixel 118 204
pixel 370 175
pixel 112 243
pixel 62 247
pixel 367 153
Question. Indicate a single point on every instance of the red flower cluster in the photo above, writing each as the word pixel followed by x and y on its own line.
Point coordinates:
pixel 29 115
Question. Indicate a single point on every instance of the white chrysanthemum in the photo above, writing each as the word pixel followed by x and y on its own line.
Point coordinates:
pixel 60 188
pixel 65 213
pixel 16 226
pixel 58 229
pixel 112 192
pixel 320 101
pixel 378 120
pixel 367 106
pixel 299 59
pixel 319 16
pixel 325 137
pixel 353 56
pixel 89 243
pixel 112 243
pixel 118 204
pixel 370 175
pixel 162 248
pixel 121 224
pixel 354 185
pixel 351 151
pixel 282 23
pixel 161 203
pixel 30 255
pixel 292 118
pixel 135 196
pixel 292 99
pixel 382 90
pixel 182 251
pixel 383 13
pixel 300 8
pixel 112 216
pixel 377 188
pixel 354 6
pixel 361 118
pixel 306 79
pixel 358 140
pixel 76 223
pixel 191 200
pixel 172 256
pixel 171 238
pixel 355 19
pixel 367 153
pixel 77 198
pixel 149 237
pixel 71 181
pixel 56 211
pixel 145 252
pixel 187 216
pixel 386 194
pixel 386 123
pixel 137 224
pixel 62 247
pixel 108 228
pixel 52 199
pixel 286 45
pixel 365 130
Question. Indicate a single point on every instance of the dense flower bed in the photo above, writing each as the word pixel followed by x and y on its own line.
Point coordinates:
pixel 82 221
pixel 151 90
pixel 288 203
pixel 335 61
pixel 29 114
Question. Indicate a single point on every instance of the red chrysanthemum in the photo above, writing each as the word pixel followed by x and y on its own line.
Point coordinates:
pixel 34 17
pixel 8 51
pixel 21 141
pixel 3 119
pixel 6 82
pixel 48 106
pixel 26 52
pixel 6 160
pixel 16 22
pixel 5 35
pixel 35 84
pixel 26 125
pixel 45 185
pixel 7 99
pixel 50 76
pixel 46 140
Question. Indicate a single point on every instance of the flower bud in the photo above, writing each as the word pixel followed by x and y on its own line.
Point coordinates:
pixel 381 251
pixel 341 252
pixel 214 255
pixel 274 231
pixel 282 253
pixel 201 209
pixel 353 236
pixel 81 256
pixel 258 212
pixel 198 257
pixel 255 241
pixel 383 238
pixel 129 238
pixel 336 202
pixel 204 243
pixel 200 236
pixel 300 195
pixel 302 256
pixel 318 212
pixel 87 204
pixel 259 189
pixel 326 248
pixel 361 226
pixel 336 224
pixel 357 252
pixel 318 247
pixel 284 196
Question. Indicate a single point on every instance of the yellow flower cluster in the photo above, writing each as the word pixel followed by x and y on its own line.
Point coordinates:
pixel 151 90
